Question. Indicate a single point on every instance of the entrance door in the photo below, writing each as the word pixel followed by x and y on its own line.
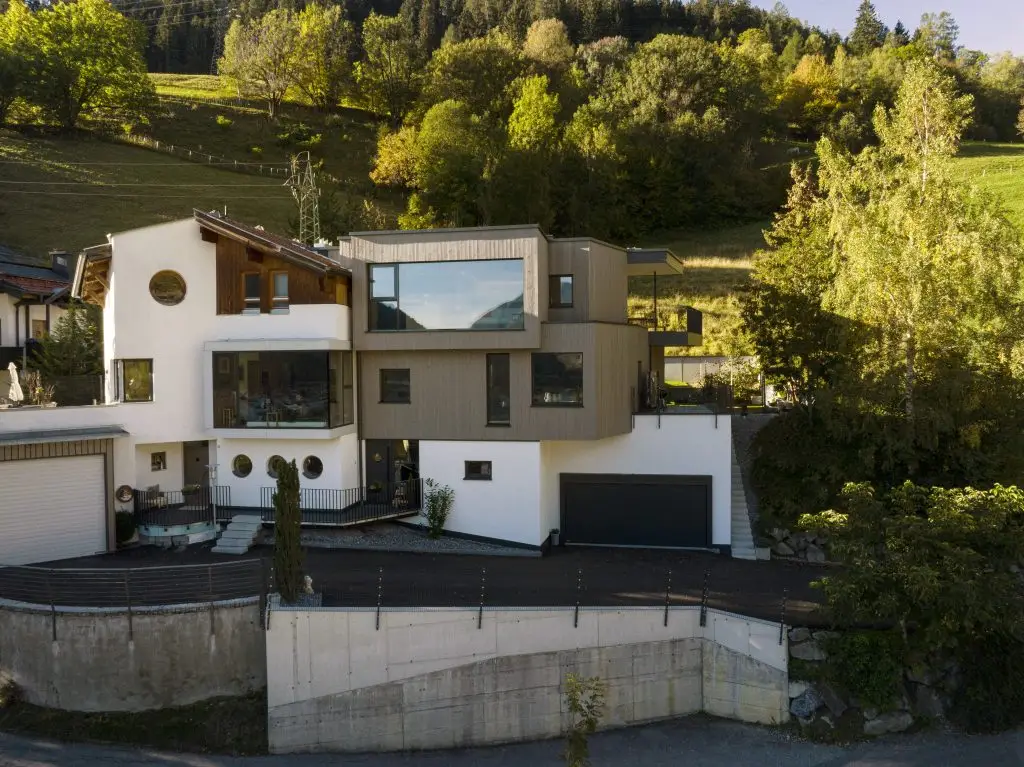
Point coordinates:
pixel 196 456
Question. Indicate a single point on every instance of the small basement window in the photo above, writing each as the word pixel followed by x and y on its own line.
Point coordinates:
pixel 478 470
pixel 312 467
pixel 241 466
pixel 275 465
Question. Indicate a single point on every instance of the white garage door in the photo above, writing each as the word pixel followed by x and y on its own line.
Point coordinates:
pixel 51 508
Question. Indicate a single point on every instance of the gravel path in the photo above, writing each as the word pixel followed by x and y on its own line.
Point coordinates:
pixel 693 742
pixel 391 537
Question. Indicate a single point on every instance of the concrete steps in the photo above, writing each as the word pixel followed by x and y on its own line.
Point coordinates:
pixel 239 535
pixel 742 535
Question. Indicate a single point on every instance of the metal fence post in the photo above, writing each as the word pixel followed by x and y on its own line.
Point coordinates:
pixel 209 575
pixel 264 584
pixel 704 600
pixel 480 613
pixel 579 589
pixel 380 592
pixel 53 607
pixel 668 593
pixel 128 599
pixel 782 619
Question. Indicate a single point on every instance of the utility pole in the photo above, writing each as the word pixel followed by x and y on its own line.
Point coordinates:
pixel 306 193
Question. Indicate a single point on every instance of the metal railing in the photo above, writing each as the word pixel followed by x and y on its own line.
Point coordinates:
pixel 168 508
pixel 685 319
pixel 376 501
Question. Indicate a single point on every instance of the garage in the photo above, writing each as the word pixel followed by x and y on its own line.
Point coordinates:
pixel 643 510
pixel 52 508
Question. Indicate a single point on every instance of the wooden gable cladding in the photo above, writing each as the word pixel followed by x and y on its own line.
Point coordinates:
pixel 95 282
pixel 236 259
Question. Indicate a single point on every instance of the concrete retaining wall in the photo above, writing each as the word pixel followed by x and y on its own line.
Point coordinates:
pixel 174 656
pixel 433 679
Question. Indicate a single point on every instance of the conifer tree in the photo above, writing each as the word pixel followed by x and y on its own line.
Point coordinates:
pixel 868 32
pixel 288 559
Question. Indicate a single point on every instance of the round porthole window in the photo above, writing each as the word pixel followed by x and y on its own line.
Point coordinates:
pixel 241 466
pixel 312 467
pixel 274 465
pixel 167 288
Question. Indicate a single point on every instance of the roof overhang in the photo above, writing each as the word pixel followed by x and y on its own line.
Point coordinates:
pixel 92 270
pixel 38 436
pixel 278 345
pixel 253 238
pixel 641 262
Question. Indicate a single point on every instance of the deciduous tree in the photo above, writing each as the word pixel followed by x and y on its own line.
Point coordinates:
pixel 323 68
pixel 260 56
pixel 388 73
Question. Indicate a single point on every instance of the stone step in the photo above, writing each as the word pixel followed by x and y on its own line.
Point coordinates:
pixel 223 550
pixel 246 525
pixel 242 536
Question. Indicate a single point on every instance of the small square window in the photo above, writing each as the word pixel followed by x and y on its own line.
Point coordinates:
pixel 135 380
pixel 251 284
pixel 158 461
pixel 395 386
pixel 560 291
pixel 279 299
pixel 478 470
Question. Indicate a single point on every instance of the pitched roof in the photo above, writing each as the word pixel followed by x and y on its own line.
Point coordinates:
pixel 24 274
pixel 291 250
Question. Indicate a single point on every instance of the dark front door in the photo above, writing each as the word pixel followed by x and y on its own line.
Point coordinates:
pixel 648 510
pixel 196 456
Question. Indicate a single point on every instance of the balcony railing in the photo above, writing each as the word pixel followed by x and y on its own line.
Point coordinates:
pixel 684 320
pixel 171 508
pixel 653 397
pixel 59 391
pixel 341 508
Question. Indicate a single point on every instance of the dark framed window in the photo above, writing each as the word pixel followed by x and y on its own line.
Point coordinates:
pixel 274 389
pixel 158 461
pixel 447 295
pixel 251 289
pixel 279 292
pixel 499 390
pixel 560 291
pixel 343 410
pixel 557 379
pixel 395 386
pixel 478 470
pixel 135 380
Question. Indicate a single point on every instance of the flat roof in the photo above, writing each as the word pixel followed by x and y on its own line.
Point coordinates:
pixel 449 230
pixel 653 261
pixel 37 436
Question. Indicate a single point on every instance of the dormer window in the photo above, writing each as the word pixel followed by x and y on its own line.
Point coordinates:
pixel 251 284
pixel 279 299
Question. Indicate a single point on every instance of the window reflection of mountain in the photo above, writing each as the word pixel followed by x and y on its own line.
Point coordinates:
pixel 390 317
pixel 506 316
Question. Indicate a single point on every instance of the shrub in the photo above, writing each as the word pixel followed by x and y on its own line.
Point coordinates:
pixel 224 122
pixel 312 141
pixel 256 150
pixel 990 697
pixel 585 700
pixel 440 499
pixel 9 691
pixel 124 526
pixel 295 133
pixel 868 665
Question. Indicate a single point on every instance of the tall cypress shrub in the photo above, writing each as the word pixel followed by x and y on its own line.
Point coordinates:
pixel 288 559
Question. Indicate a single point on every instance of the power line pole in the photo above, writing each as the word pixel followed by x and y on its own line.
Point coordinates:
pixel 306 193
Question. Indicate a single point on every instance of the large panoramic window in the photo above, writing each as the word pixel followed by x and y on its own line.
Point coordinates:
pixel 447 295
pixel 557 380
pixel 287 390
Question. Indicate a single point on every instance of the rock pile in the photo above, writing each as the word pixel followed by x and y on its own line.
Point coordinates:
pixel 811 547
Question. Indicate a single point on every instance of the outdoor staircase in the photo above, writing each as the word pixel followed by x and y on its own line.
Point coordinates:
pixel 239 535
pixel 742 537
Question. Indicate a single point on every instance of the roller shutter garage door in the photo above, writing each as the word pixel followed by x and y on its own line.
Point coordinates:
pixel 649 510
pixel 52 508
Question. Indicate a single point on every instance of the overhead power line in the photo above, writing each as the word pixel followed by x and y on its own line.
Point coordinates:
pixel 138 196
pixel 267 185
pixel 133 164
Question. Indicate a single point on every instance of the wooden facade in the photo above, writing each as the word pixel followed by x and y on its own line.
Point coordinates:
pixel 68 449
pixel 600 282
pixel 236 259
pixel 449 389
pixel 526 243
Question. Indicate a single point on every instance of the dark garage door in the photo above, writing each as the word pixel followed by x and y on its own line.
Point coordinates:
pixel 636 510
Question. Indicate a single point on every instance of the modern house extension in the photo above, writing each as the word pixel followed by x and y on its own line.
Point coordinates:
pixel 498 361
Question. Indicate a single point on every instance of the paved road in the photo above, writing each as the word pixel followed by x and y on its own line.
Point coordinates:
pixel 695 742
pixel 595 577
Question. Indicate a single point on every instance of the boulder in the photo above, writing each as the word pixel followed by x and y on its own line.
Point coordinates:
pixel 824 636
pixel 782 549
pixel 927 702
pixel 779 534
pixel 894 721
pixel 799 635
pixel 800 543
pixel 796 689
pixel 807 651
pixel 805 704
pixel 835 704
pixel 814 554
pixel 920 673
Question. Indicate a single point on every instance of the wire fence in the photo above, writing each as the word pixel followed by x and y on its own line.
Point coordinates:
pixel 269 170
pixel 134 587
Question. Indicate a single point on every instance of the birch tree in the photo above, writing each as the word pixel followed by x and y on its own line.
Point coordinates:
pixel 259 57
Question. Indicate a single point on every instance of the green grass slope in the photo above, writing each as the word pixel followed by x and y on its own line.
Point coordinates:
pixel 997 168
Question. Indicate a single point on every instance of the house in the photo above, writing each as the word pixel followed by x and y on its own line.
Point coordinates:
pixel 498 361
pixel 32 298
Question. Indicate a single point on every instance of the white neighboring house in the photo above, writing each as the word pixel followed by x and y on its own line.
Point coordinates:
pixel 498 361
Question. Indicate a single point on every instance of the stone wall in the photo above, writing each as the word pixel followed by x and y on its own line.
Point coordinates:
pixel 790 544
pixel 823 710
pixel 102 660
pixel 339 681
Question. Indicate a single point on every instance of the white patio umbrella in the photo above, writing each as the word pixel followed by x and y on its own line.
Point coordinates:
pixel 14 394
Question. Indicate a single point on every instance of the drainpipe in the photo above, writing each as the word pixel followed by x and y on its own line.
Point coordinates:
pixel 655 301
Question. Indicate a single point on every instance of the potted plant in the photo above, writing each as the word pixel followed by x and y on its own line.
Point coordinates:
pixel 192 494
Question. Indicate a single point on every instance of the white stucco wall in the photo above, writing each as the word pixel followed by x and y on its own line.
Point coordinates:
pixel 698 445
pixel 507 506
pixel 169 479
pixel 11 335
pixel 339 457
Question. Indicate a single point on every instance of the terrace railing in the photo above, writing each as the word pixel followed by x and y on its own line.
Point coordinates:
pixel 341 508
pixel 169 508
